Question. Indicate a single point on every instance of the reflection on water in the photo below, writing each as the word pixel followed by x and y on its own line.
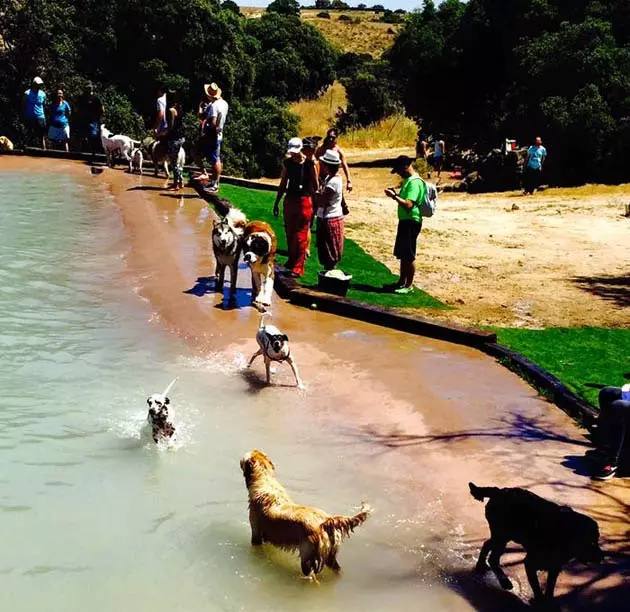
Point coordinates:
pixel 95 516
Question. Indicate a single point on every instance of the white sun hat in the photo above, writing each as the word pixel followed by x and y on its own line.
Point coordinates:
pixel 295 145
pixel 331 158
pixel 37 81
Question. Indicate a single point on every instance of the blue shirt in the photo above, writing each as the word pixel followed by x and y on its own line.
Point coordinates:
pixel 35 101
pixel 59 114
pixel 536 156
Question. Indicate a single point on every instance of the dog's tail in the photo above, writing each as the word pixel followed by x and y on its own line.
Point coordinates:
pixel 345 525
pixel 135 143
pixel 261 325
pixel 480 493
pixel 167 390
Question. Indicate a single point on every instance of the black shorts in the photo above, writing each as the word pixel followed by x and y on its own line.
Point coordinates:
pixel 407 239
pixel 36 127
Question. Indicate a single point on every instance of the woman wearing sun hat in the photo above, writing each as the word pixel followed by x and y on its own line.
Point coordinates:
pixel 330 225
pixel 299 182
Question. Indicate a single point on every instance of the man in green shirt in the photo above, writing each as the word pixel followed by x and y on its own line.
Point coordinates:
pixel 412 191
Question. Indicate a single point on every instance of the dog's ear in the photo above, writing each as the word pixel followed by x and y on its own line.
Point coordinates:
pixel 284 338
pixel 167 401
pixel 149 401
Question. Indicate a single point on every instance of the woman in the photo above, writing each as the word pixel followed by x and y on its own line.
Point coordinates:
pixel 59 131
pixel 299 182
pixel 330 226
pixel 175 139
pixel 330 144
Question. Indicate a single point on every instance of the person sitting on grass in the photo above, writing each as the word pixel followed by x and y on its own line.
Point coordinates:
pixel 409 222
pixel 613 427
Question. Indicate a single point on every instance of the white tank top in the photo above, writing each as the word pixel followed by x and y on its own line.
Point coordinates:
pixel 437 150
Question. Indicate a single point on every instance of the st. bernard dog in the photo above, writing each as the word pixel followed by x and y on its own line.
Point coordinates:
pixel 259 252
pixel 274 518
pixel 5 145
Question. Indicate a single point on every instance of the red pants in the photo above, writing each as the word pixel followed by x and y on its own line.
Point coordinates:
pixel 298 211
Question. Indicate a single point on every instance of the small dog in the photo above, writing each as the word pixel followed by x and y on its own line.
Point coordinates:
pixel 5 144
pixel 136 161
pixel 274 518
pixel 259 248
pixel 158 150
pixel 274 346
pixel 551 535
pixel 226 245
pixel 161 427
pixel 117 144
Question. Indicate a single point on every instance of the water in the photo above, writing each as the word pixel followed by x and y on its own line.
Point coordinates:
pixel 94 516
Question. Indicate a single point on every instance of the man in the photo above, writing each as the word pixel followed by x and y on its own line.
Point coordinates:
pixel 330 144
pixel 90 118
pixel 439 151
pixel 200 145
pixel 160 126
pixel 33 112
pixel 412 191
pixel 216 115
pixel 536 155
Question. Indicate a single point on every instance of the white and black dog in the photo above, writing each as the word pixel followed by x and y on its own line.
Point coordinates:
pixel 227 236
pixel 136 161
pixel 259 252
pixel 274 346
pixel 117 144
pixel 161 427
pixel 158 150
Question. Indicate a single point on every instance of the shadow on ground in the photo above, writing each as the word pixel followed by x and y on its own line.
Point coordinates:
pixel 614 289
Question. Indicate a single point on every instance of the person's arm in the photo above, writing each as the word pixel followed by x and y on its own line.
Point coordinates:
pixel 160 117
pixel 346 171
pixel 413 193
pixel 170 118
pixel 68 110
pixel 281 191
pixel 443 144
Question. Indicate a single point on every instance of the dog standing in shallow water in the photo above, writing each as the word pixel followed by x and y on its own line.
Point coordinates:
pixel 161 427
pixel 274 518
pixel 226 246
pixel 259 252
pixel 274 346
pixel 551 535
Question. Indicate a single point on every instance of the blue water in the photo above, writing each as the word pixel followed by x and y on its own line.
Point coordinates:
pixel 94 516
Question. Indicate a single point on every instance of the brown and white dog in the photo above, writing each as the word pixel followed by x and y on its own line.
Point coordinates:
pixel 259 252
pixel 5 144
pixel 158 150
pixel 227 236
pixel 274 518
pixel 274 346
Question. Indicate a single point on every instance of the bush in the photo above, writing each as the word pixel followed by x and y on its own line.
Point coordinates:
pixel 324 15
pixel 344 18
pixel 285 7
pixel 119 115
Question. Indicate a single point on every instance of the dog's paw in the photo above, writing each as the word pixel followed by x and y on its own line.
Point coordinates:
pixel 505 582
pixel 481 568
pixel 301 386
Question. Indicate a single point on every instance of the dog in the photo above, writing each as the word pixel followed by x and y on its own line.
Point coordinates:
pixel 161 427
pixel 117 144
pixel 274 346
pixel 158 151
pixel 227 235
pixel 136 161
pixel 551 535
pixel 259 252
pixel 275 519
pixel 5 145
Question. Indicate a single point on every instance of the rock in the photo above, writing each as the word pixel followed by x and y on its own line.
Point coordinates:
pixel 516 207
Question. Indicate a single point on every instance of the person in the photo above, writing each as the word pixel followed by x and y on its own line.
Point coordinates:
pixel 330 144
pixel 33 112
pixel 175 138
pixel 59 130
pixel 613 427
pixel 330 222
pixel 309 146
pixel 409 222
pixel 299 182
pixel 90 118
pixel 160 127
pixel 536 155
pixel 421 145
pixel 439 151
pixel 216 114
pixel 201 144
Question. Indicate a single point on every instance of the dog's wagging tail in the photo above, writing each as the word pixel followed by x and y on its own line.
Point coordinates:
pixel 480 493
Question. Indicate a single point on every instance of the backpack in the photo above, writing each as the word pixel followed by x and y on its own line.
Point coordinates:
pixel 428 205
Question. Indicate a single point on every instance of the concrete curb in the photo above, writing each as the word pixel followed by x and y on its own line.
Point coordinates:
pixel 289 289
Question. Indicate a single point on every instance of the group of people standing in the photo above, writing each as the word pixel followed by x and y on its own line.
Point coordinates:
pixel 312 188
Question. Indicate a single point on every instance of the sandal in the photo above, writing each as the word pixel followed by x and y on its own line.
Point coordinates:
pixel 403 290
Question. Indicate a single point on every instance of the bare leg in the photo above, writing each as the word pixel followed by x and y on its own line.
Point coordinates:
pixel 293 365
pixel 256 354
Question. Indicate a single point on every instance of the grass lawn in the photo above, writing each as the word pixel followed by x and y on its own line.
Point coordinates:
pixel 368 274
pixel 575 355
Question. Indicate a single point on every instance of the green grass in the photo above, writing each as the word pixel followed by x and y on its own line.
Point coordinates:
pixel 368 275
pixel 575 355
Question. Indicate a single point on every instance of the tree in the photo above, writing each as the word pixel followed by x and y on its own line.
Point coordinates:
pixel 322 4
pixel 230 5
pixel 285 7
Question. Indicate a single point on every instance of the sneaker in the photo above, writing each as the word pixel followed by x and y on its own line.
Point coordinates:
pixel 391 286
pixel 213 188
pixel 403 290
pixel 606 472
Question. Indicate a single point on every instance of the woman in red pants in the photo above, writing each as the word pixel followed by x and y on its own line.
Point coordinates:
pixel 299 182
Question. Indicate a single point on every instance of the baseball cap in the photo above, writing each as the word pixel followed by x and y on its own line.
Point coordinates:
pixel 295 145
pixel 402 161
pixel 37 81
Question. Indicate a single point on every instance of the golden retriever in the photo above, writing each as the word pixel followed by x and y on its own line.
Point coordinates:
pixel 5 144
pixel 274 518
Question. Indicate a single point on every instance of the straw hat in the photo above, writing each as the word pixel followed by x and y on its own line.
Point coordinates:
pixel 212 90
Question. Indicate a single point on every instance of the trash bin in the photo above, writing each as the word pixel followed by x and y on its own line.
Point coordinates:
pixel 334 281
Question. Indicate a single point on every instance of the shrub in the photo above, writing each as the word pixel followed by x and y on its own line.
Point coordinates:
pixel 344 18
pixel 285 7
pixel 324 15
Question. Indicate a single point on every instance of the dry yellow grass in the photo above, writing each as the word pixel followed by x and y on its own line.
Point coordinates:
pixel 316 116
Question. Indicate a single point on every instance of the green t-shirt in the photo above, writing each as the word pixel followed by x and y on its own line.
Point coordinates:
pixel 414 189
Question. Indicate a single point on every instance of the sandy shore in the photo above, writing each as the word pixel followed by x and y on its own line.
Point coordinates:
pixel 433 415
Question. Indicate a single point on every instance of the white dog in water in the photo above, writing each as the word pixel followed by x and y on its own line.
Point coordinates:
pixel 274 346
pixel 117 144
pixel 161 427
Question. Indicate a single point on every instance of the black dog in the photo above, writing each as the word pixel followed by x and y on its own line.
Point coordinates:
pixel 551 535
